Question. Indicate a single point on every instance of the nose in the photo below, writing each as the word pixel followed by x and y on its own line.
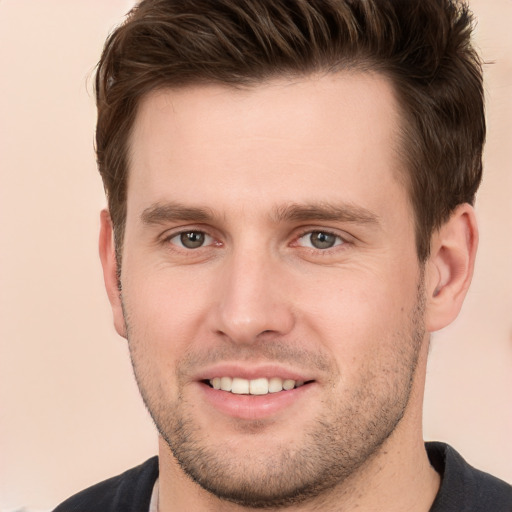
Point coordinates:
pixel 252 299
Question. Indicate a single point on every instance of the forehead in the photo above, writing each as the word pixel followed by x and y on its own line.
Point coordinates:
pixel 285 140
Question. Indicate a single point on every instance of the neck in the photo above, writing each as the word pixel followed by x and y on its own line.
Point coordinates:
pixel 403 482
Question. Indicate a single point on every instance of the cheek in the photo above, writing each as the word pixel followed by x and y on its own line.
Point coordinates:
pixel 164 311
pixel 355 313
pixel 162 321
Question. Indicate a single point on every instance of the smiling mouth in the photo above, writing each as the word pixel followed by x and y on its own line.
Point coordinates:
pixel 261 386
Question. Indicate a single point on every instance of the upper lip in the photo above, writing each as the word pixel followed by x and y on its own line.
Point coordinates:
pixel 250 372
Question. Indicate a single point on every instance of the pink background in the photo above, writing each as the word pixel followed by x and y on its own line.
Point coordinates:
pixel 70 413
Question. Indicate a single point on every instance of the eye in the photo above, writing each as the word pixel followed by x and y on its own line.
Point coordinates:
pixel 191 239
pixel 320 240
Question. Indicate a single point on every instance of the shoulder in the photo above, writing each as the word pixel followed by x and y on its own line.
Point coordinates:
pixel 130 491
pixel 464 488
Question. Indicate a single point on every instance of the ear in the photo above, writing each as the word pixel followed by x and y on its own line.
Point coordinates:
pixel 110 274
pixel 450 267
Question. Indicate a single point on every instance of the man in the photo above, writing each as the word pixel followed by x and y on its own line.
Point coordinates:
pixel 289 187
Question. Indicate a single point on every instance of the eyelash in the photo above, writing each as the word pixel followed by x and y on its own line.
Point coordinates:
pixel 170 237
pixel 340 240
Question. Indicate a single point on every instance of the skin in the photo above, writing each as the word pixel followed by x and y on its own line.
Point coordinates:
pixel 257 172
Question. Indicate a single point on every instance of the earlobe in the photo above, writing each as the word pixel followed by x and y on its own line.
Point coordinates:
pixel 450 267
pixel 110 272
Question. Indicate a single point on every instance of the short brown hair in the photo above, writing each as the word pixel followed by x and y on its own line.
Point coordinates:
pixel 422 46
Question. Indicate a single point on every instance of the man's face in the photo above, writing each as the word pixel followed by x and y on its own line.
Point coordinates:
pixel 270 242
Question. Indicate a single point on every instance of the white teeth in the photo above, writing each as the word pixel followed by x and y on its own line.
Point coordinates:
pixel 275 384
pixel 240 386
pixel 261 386
pixel 258 386
pixel 288 384
pixel 225 383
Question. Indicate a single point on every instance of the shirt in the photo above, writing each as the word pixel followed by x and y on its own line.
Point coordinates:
pixel 463 488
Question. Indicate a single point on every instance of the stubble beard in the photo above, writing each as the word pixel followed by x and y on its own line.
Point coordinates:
pixel 335 444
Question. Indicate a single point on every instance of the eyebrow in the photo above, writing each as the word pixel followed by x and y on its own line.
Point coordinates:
pixel 171 212
pixel 159 213
pixel 343 212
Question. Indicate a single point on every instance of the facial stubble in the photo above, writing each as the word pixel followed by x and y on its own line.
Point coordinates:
pixel 335 444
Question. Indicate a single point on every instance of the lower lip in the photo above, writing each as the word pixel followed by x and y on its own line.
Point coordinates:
pixel 253 407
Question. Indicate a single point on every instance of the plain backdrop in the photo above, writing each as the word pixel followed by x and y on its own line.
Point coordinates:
pixel 70 413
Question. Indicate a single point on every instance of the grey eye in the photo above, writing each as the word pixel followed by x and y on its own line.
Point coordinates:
pixel 191 239
pixel 320 240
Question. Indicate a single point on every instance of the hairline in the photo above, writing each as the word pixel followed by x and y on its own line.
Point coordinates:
pixel 364 66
